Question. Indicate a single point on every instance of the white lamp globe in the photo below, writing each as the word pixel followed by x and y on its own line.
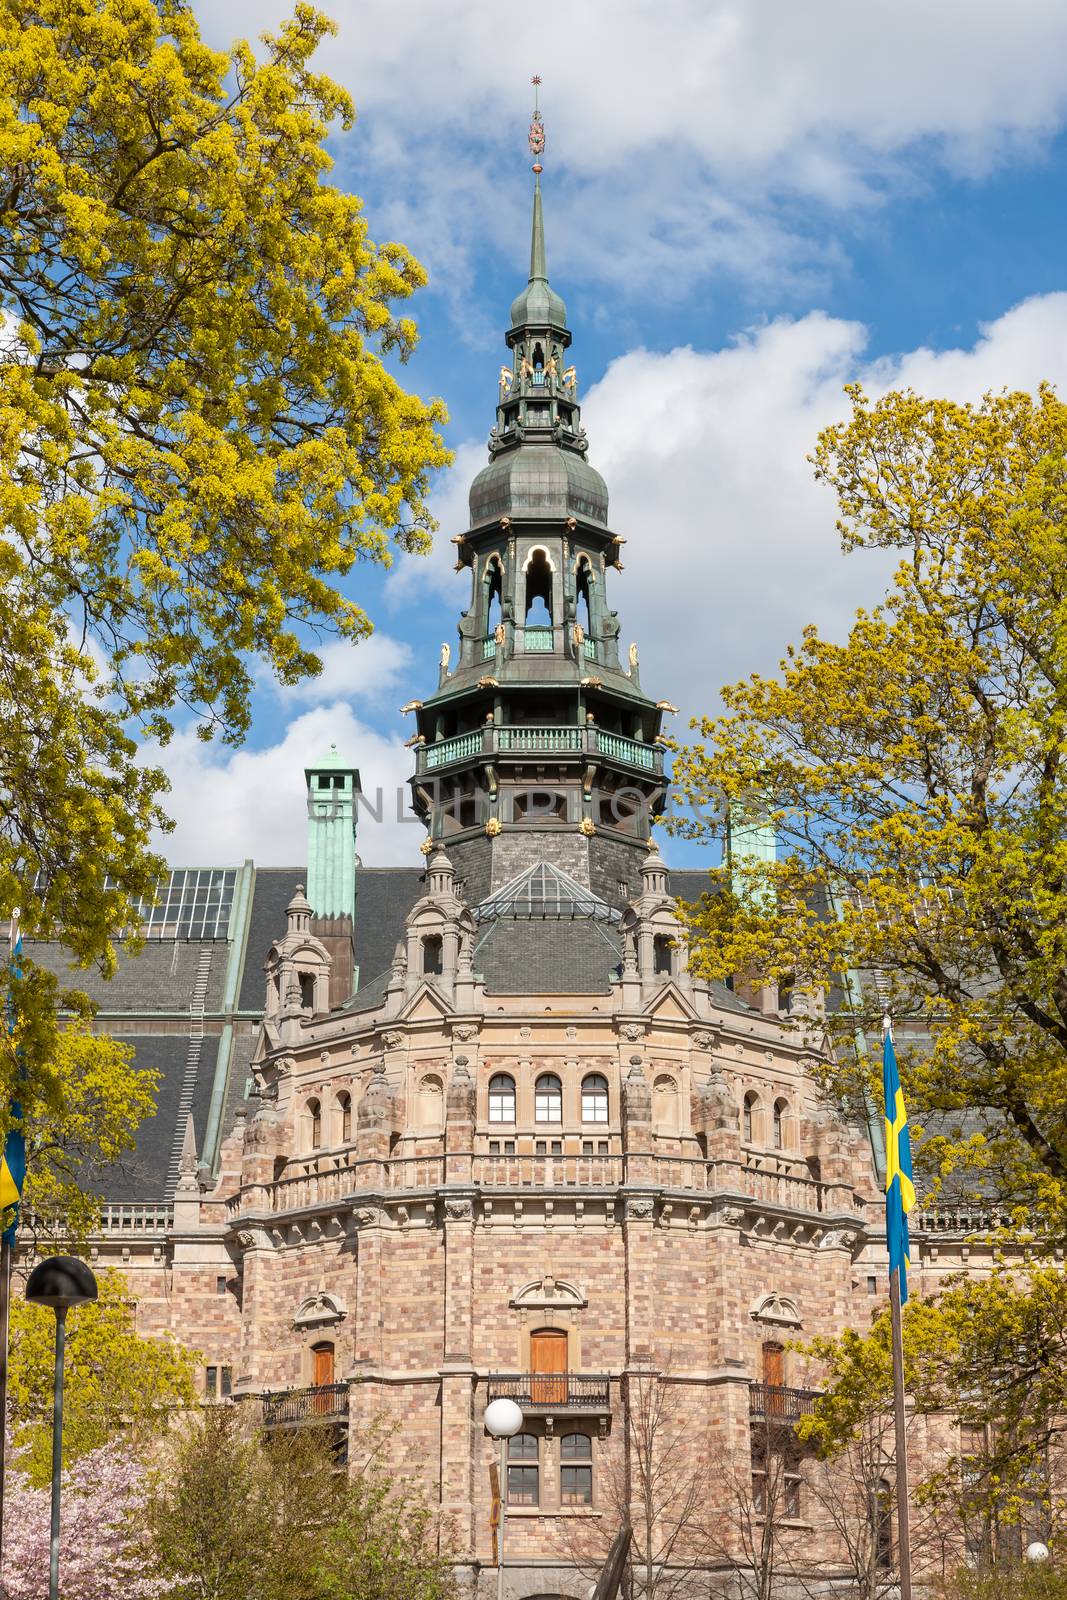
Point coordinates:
pixel 503 1419
pixel 1037 1551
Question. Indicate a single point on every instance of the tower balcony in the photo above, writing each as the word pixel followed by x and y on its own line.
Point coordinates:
pixel 573 1393
pixel 775 1403
pixel 578 740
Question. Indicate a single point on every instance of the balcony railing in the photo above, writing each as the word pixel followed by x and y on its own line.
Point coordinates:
pixel 772 1402
pixel 552 1391
pixel 538 639
pixel 325 1402
pixel 565 738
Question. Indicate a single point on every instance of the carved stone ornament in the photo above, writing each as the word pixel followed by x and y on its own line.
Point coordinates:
pixel 549 1294
pixel 640 1206
pixel 703 1040
pixel 392 1040
pixel 427 847
pixel 733 1216
pixel 459 1210
pixel 320 1308
pixel 493 827
pixel 777 1308
pixel 465 1032
pixel 246 1238
pixel 587 826
pixel 839 1239
pixel 632 1031
pixel 367 1216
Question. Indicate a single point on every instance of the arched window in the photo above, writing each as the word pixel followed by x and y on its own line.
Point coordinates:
pixel 501 1098
pixel 538 612
pixel 344 1103
pixel 781 1108
pixel 665 1103
pixel 882 1520
pixel 314 1111
pixel 433 954
pixel 662 954
pixel 748 1123
pixel 523 1470
pixel 548 1098
pixel 576 1470
pixel 595 1098
pixel 582 607
pixel 307 991
pixel 493 585
pixel 430 1104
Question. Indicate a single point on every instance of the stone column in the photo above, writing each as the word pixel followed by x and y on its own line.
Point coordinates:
pixel 458 1426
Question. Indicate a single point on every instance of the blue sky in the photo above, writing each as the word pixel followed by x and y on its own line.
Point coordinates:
pixel 748 205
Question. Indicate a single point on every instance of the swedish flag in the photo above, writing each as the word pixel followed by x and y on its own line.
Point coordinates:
pixel 13 1160
pixel 899 1183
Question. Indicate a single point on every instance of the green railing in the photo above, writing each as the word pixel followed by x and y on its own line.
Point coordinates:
pixel 534 639
pixel 629 750
pixel 539 738
pixel 589 649
pixel 488 649
pixel 446 750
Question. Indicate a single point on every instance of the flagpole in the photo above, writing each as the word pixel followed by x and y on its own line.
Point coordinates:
pixel 903 1506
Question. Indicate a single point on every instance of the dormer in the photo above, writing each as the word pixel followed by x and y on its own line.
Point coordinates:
pixel 655 950
pixel 439 932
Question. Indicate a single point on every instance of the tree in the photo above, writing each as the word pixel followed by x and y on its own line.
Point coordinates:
pixel 988 1358
pixel 95 1102
pixel 199 434
pixel 915 777
pixel 118 1381
pixel 234 1513
pixel 101 1547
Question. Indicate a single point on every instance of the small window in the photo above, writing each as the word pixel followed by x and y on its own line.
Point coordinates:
pixel 576 1470
pixel 315 1114
pixel 791 1497
pixel 211 1382
pixel 501 1098
pixel 662 954
pixel 557 1147
pixel 587 1147
pixel 781 1108
pixel 433 955
pixel 345 1103
pixel 307 991
pixel 548 1098
pixel 540 1147
pixel 595 1098
pixel 872 1284
pixel 494 1147
pixel 220 1285
pixel 751 1106
pixel 522 1470
pixel 602 1147
pixel 225 1382
pixel 882 1509
pixel 509 1147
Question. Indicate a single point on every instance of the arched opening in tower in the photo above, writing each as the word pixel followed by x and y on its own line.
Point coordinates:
pixel 582 605
pixel 538 591
pixel 493 605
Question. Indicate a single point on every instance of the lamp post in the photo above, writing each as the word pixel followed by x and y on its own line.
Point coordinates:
pixel 1037 1551
pixel 503 1419
pixel 59 1282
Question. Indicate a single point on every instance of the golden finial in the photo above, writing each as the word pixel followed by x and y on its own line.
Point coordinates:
pixel 537 128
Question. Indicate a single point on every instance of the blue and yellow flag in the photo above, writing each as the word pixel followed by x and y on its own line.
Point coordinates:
pixel 13 1160
pixel 899 1183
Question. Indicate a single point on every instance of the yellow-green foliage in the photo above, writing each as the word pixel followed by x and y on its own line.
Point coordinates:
pixel 989 1353
pixel 916 772
pixel 199 437
pixel 116 1379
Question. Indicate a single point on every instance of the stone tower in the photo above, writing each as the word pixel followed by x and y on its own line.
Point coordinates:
pixel 539 745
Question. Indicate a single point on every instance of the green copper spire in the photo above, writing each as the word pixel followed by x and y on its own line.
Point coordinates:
pixel 538 305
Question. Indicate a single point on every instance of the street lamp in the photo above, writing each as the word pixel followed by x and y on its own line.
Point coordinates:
pixel 1037 1551
pixel 59 1282
pixel 503 1419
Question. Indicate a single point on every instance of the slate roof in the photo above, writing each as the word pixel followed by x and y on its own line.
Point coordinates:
pixel 141 1174
pixel 384 896
pixel 159 978
pixel 273 889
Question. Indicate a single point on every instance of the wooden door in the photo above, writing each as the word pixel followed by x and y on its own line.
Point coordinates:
pixel 322 1370
pixel 548 1363
pixel 773 1377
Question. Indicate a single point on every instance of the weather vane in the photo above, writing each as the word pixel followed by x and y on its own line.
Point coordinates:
pixel 537 128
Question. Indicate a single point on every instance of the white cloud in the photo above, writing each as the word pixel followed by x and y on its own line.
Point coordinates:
pixel 229 805
pixel 680 134
pixel 370 671
pixel 731 544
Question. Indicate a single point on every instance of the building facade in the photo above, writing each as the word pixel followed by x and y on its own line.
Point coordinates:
pixel 472 1128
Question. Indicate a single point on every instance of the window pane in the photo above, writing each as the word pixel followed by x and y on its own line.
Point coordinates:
pixel 501 1099
pixel 791 1497
pixel 576 1447
pixel 576 1486
pixel 595 1099
pixel 548 1099
pixel 522 1447
pixel 522 1486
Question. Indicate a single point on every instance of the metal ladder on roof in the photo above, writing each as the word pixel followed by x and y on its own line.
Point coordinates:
pixel 192 1063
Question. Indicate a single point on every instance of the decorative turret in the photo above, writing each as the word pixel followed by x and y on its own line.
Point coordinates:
pixel 539 744
pixel 297 968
